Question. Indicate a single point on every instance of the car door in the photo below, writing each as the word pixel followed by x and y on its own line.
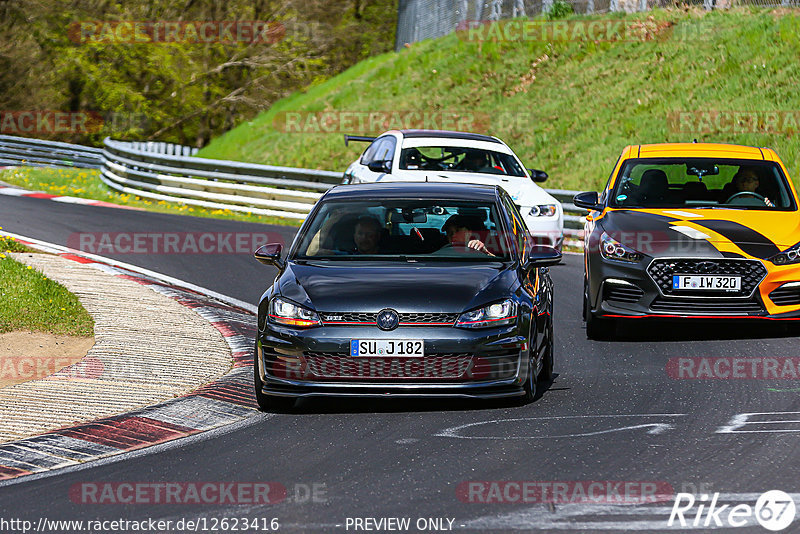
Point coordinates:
pixel 382 149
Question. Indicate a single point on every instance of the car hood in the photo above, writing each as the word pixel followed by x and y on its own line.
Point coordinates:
pixel 523 190
pixel 361 286
pixel 703 232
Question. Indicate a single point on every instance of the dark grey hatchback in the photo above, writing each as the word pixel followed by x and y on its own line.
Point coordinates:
pixel 407 289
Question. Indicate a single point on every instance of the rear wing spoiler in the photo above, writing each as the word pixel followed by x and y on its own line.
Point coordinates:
pixel 348 138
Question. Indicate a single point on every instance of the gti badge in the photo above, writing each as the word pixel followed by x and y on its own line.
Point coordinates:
pixel 388 319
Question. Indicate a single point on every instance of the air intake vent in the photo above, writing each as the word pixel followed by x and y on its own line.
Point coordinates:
pixel 622 293
pixel 711 306
pixel 786 295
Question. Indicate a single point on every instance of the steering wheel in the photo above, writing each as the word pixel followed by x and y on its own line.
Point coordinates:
pixel 460 248
pixel 742 193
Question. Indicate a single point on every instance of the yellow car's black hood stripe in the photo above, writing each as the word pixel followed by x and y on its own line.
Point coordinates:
pixel 751 242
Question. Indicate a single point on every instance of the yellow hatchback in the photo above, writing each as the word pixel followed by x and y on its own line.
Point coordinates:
pixel 692 230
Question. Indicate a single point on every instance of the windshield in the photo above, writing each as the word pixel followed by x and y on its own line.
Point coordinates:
pixel 447 158
pixel 701 183
pixel 403 229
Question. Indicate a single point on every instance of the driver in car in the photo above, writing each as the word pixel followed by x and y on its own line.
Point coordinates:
pixel 456 228
pixel 745 181
pixel 476 161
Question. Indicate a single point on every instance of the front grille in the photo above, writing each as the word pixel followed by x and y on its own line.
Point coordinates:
pixel 622 293
pixel 316 366
pixel 751 271
pixel 786 296
pixel 406 319
pixel 717 306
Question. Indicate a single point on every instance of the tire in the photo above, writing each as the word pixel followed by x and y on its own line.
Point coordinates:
pixel 600 329
pixel 268 403
pixel 597 328
pixel 529 387
pixel 546 374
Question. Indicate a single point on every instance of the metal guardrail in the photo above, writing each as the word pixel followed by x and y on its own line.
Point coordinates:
pixel 39 153
pixel 169 172
pixel 210 183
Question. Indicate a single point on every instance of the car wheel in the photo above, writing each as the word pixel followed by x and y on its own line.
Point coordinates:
pixel 546 374
pixel 597 328
pixel 268 403
pixel 529 387
pixel 600 329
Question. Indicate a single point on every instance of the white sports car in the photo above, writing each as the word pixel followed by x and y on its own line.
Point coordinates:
pixel 443 156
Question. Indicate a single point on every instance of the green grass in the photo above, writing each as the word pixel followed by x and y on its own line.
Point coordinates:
pixel 30 301
pixel 568 107
pixel 86 183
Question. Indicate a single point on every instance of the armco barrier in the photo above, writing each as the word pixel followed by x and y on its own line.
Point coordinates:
pixel 39 153
pixel 164 171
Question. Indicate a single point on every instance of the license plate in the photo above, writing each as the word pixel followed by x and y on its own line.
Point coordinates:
pixel 695 282
pixel 413 348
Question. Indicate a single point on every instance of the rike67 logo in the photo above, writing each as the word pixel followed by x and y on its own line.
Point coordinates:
pixel 774 510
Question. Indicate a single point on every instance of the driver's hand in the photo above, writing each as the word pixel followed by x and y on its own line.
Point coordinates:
pixel 478 245
pixel 768 202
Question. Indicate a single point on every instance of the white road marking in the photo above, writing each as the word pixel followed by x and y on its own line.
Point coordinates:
pixel 742 419
pixel 655 428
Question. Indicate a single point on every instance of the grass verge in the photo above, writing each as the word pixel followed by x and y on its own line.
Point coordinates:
pixel 567 106
pixel 31 301
pixel 86 183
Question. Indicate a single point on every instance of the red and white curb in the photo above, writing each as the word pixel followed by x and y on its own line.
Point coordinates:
pixel 225 401
pixel 17 192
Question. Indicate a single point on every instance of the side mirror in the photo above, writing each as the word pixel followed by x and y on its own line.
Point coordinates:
pixel 380 166
pixel 269 254
pixel 537 175
pixel 542 256
pixel 588 200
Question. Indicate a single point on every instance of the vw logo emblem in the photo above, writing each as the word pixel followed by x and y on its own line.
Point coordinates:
pixel 707 267
pixel 388 319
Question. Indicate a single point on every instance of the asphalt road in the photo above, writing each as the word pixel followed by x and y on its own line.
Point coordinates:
pixel 612 414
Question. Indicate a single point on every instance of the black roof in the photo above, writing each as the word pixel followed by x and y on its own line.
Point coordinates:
pixel 421 190
pixel 449 135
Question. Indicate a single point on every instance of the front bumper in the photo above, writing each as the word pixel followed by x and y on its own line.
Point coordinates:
pixel 547 230
pixel 458 363
pixel 620 289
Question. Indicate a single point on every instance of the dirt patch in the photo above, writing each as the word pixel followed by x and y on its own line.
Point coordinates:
pixel 28 356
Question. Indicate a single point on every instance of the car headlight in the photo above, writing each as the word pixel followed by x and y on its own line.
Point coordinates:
pixel 788 256
pixel 284 312
pixel 543 210
pixel 496 314
pixel 611 249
